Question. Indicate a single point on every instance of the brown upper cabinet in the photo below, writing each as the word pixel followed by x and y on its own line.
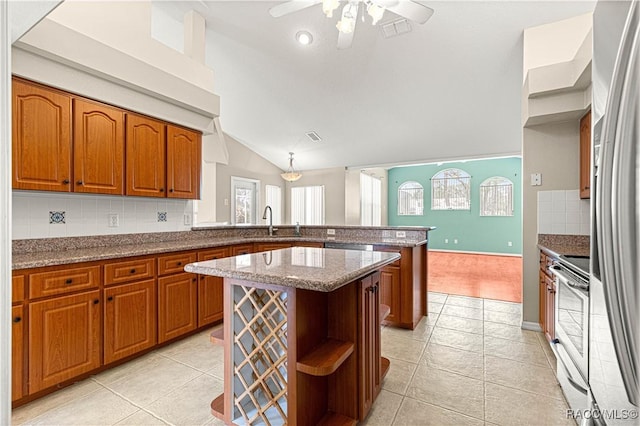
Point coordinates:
pixel 145 156
pixel 63 142
pixel 183 163
pixel 41 141
pixel 98 148
pixel 585 156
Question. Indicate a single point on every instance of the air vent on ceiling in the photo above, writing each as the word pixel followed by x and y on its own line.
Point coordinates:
pixel 395 28
pixel 313 136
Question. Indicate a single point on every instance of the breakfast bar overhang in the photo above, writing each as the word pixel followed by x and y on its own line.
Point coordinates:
pixel 301 335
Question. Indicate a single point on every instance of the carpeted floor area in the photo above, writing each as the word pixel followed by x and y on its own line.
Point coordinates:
pixel 476 275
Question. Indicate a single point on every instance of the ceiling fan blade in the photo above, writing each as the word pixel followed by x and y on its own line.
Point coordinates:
pixel 416 12
pixel 345 40
pixel 291 6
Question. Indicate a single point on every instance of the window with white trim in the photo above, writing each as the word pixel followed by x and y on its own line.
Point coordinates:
pixel 307 205
pixel 370 200
pixel 273 198
pixel 496 197
pixel 451 190
pixel 410 199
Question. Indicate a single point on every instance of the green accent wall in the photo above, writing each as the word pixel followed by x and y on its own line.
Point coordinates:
pixel 474 233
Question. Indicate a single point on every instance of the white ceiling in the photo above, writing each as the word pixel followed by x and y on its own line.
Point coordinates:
pixel 449 89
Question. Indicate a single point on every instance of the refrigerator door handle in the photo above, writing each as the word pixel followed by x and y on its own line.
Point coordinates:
pixel 616 209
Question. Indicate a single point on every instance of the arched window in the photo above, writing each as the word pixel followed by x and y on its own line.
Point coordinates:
pixel 410 199
pixel 496 197
pixel 451 190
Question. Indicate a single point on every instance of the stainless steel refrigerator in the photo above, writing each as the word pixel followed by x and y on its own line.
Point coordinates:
pixel 615 257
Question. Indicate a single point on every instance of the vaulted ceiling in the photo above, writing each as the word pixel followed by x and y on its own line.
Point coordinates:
pixel 448 89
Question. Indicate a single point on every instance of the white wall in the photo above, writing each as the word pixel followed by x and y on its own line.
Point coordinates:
pixel 334 192
pixel 556 42
pixel 554 151
pixel 89 214
pixel 242 163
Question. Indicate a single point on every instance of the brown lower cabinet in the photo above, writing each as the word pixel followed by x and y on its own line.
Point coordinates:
pixel 546 297
pixel 177 305
pixel 17 352
pixel 129 319
pixel 64 338
pixel 210 306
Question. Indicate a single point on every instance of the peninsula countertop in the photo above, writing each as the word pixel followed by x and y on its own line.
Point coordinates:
pixel 316 269
pixel 61 251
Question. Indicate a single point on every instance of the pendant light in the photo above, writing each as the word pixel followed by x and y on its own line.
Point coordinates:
pixel 291 175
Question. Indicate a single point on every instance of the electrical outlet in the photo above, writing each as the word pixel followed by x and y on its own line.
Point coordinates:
pixel 455 241
pixel 331 231
pixel 510 244
pixel 536 179
pixel 386 234
pixel 226 201
pixel 401 234
pixel 446 241
pixel 187 219
pixel 114 220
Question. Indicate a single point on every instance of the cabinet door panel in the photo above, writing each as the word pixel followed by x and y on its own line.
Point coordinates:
pixel 41 142
pixel 98 148
pixel 369 343
pixel 145 156
pixel 183 163
pixel 130 319
pixel 17 352
pixel 64 339
pixel 177 313
pixel 210 296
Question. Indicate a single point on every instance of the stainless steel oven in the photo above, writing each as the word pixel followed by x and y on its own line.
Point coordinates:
pixel 572 333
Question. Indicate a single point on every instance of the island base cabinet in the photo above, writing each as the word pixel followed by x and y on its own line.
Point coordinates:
pixel 177 305
pixel 64 339
pixel 210 308
pixel 130 319
pixel 296 356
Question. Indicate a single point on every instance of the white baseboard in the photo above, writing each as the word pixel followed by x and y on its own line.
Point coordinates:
pixel 477 252
pixel 533 326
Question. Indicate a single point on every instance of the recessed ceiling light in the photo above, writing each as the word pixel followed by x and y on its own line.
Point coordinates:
pixel 304 37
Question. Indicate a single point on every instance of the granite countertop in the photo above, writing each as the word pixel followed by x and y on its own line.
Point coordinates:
pixel 307 268
pixel 64 256
pixel 564 245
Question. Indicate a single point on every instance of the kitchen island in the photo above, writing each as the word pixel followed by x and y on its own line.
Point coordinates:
pixel 301 335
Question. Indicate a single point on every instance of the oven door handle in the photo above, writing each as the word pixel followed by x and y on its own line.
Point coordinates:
pixel 570 378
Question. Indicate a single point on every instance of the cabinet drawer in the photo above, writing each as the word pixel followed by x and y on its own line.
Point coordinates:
pixel 174 263
pixel 17 288
pixel 218 253
pixel 241 249
pixel 132 270
pixel 49 283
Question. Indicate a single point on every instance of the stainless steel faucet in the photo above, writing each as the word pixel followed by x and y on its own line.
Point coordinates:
pixel 264 217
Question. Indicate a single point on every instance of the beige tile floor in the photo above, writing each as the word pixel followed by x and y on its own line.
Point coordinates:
pixel 467 363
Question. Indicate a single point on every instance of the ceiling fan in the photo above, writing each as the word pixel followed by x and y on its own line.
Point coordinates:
pixel 408 9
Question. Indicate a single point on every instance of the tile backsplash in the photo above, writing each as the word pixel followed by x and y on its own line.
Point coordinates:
pixel 46 214
pixel 563 212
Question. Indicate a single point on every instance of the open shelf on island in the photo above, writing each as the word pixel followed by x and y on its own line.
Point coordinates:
pixel 385 310
pixel 217 336
pixel 325 358
pixel 217 407
pixel 384 367
pixel 335 419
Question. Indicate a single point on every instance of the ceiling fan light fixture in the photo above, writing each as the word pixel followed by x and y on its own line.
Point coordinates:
pixel 376 12
pixel 304 37
pixel 328 6
pixel 291 175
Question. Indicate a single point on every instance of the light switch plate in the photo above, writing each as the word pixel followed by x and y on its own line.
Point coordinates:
pixel 536 179
pixel 331 231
